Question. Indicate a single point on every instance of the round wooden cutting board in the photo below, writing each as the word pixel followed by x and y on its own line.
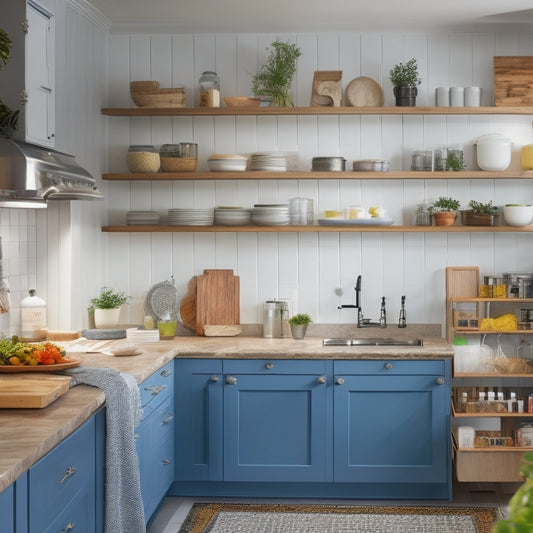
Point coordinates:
pixel 188 305
pixel 364 91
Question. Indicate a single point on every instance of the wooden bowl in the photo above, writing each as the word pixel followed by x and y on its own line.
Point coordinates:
pixel 144 86
pixel 160 98
pixel 242 101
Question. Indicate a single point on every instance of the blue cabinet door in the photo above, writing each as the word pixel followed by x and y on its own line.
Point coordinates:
pixel 391 426
pixel 7 509
pixel 275 428
pixel 198 422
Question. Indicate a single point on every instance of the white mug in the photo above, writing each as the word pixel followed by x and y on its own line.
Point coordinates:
pixel 473 96
pixel 457 96
pixel 442 96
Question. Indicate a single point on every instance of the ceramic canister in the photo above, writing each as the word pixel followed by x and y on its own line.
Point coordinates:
pixel 493 152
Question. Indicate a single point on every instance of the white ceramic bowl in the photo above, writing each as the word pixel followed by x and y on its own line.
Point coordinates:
pixel 227 164
pixel 518 215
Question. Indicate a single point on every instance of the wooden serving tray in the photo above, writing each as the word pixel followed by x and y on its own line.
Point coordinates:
pixel 29 391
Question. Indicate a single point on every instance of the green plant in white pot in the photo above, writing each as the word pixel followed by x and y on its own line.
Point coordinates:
pixel 106 307
pixel 298 324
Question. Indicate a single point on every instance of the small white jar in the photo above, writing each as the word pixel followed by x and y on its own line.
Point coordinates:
pixel 493 152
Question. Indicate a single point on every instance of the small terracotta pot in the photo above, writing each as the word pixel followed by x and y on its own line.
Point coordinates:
pixel 445 218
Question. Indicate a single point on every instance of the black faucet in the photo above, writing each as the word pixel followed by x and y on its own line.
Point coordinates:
pixel 361 321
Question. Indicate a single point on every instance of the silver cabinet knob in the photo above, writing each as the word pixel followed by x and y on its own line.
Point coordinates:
pixel 214 379
pixel 269 366
pixel 441 381
pixel 339 381
pixel 388 366
pixel 231 380
pixel 166 461
pixel 321 379
pixel 69 527
pixel 165 373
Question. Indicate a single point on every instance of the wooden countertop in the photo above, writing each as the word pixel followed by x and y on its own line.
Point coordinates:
pixel 29 434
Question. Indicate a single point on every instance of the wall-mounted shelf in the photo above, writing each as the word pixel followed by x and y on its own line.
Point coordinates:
pixel 320 229
pixel 320 110
pixel 306 175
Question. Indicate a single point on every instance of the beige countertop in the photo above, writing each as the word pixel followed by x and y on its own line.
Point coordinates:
pixel 26 435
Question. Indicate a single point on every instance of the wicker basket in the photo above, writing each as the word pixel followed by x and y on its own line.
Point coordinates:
pixel 144 86
pixel 511 365
pixel 178 164
pixel 160 98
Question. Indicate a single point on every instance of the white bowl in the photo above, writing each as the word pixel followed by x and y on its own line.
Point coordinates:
pixel 518 215
pixel 227 165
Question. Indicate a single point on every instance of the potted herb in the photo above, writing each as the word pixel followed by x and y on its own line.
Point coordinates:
pixel 106 307
pixel 298 324
pixel 275 77
pixel 445 210
pixel 404 78
pixel 455 160
pixel 8 118
pixel 479 214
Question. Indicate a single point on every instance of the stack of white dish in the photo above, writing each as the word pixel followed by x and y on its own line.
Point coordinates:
pixel 142 336
pixel 269 162
pixel 190 217
pixel 232 216
pixel 141 218
pixel 270 214
pixel 328 164
pixel 227 163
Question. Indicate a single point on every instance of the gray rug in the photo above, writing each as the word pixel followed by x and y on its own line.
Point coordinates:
pixel 252 518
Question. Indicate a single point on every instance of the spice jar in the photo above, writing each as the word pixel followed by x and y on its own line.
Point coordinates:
pixel 143 158
pixel 209 89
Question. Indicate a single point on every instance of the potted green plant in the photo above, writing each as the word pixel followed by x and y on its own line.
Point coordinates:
pixel 480 214
pixel 444 210
pixel 404 79
pixel 274 79
pixel 298 324
pixel 106 307
pixel 455 160
pixel 8 118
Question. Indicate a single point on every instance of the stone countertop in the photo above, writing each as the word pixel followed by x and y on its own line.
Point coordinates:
pixel 26 435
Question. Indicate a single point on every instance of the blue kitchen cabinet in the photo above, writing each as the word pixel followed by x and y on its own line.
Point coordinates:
pixel 198 423
pixel 7 509
pixel 392 422
pixel 155 438
pixel 275 421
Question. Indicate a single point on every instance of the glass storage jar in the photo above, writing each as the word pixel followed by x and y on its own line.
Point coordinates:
pixel 423 215
pixel 181 157
pixel 143 158
pixel 209 89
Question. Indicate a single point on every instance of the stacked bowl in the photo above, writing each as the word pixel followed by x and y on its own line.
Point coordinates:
pixel 328 164
pixel 270 214
pixel 227 163
pixel 232 216
pixel 190 217
pixel 269 162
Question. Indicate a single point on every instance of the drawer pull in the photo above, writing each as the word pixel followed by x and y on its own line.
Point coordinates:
pixel 269 366
pixel 168 419
pixel 166 461
pixel 156 389
pixel 231 380
pixel 321 379
pixel 214 379
pixel 69 527
pixel 70 472
pixel 441 381
pixel 388 366
pixel 339 381
pixel 165 373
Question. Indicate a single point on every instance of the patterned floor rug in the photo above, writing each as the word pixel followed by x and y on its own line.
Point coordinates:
pixel 270 518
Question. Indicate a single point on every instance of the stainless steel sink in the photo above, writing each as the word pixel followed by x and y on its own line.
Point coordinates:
pixel 369 341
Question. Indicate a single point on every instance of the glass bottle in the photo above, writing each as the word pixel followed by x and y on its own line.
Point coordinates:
pixel 209 89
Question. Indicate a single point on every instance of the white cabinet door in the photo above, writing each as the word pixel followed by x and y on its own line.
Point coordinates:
pixel 40 76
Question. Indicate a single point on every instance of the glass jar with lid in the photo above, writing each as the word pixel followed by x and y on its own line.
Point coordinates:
pixel 143 158
pixel 209 89
pixel 423 215
pixel 181 157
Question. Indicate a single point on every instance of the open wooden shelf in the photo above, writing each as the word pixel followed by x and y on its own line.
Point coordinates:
pixel 492 415
pixel 490 375
pixel 307 175
pixel 490 300
pixel 319 229
pixel 315 110
pixel 517 449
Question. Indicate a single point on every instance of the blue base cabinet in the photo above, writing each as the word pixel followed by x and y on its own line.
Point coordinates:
pixel 313 428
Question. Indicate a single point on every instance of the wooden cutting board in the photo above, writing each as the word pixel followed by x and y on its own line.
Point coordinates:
pixel 188 305
pixel 29 391
pixel 217 299
pixel 513 81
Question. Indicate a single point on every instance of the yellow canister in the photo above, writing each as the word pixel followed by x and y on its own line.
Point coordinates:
pixel 526 157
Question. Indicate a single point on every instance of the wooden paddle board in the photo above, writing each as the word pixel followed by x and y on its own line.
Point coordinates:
pixel 188 305
pixel 29 391
pixel 217 299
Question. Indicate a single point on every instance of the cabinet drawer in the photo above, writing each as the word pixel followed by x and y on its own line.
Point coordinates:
pixel 488 466
pixel 274 366
pixel 61 475
pixel 390 367
pixel 157 387
pixel 78 515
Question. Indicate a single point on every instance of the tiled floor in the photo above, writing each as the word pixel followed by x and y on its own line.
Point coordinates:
pixel 175 510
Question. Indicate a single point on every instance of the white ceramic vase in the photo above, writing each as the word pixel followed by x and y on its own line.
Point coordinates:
pixel 106 318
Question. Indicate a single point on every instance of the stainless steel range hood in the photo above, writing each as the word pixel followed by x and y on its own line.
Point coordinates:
pixel 31 175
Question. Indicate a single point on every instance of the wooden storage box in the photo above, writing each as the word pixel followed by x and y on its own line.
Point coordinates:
pixel 497 466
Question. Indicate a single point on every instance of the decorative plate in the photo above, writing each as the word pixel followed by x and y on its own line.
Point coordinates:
pixel 40 368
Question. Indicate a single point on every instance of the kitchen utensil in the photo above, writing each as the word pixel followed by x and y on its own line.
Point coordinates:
pixel 364 91
pixel 188 305
pixel 217 299
pixel 31 392
pixel 512 81
pixel 518 215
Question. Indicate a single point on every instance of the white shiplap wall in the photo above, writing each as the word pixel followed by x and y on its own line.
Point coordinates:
pixel 309 268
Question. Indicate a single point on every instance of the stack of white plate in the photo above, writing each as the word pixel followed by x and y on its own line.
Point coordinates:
pixel 141 218
pixel 270 214
pixel 328 164
pixel 140 336
pixel 190 217
pixel 232 216
pixel 227 163
pixel 269 162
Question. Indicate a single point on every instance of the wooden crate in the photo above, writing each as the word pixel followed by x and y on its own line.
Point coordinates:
pixel 497 466
pixel 513 81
